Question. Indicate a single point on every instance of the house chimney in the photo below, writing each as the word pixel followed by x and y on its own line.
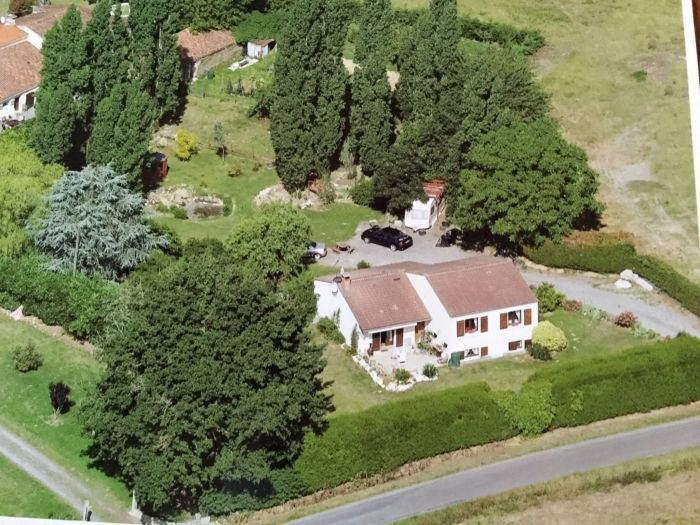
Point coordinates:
pixel 346 281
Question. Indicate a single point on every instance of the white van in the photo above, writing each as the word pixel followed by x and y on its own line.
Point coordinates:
pixel 421 215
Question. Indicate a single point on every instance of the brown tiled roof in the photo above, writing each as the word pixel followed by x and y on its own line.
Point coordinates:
pixel 43 20
pixel 478 284
pixel 262 43
pixel 466 286
pixel 381 301
pixel 19 69
pixel 10 34
pixel 200 45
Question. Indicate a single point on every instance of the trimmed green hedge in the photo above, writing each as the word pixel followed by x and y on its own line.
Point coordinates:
pixel 77 303
pixel 383 438
pixel 614 258
pixel 636 380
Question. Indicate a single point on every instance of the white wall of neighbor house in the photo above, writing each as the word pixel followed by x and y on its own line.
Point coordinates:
pixel 494 338
pixel 329 300
pixel 15 106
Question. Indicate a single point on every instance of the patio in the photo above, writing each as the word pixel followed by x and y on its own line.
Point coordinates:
pixel 411 359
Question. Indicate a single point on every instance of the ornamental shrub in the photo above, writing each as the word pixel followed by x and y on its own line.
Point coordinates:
pixel 363 264
pixel 430 370
pixel 548 298
pixel 626 320
pixel 402 375
pixel 330 330
pixel 27 358
pixel 362 193
pixel 531 410
pixel 185 144
pixel 374 441
pixel 549 336
pixel 539 352
pixel 639 379
pixel 571 305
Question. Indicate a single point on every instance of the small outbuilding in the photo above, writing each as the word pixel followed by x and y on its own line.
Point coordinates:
pixel 200 52
pixel 259 48
pixel 422 215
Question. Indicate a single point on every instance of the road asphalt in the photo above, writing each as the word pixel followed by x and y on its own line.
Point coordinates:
pixel 513 473
pixel 65 485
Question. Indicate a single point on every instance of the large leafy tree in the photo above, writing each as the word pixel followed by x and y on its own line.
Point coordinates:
pixel 63 100
pixel 397 183
pixel 93 225
pixel 309 113
pixel 375 30
pixel 370 116
pixel 211 381
pixel 525 184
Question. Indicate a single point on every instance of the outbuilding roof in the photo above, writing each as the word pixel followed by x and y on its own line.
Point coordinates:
pixel 44 19
pixel 383 296
pixel 10 33
pixel 196 46
pixel 19 69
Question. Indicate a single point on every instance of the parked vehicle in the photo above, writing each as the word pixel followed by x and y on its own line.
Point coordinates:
pixel 318 249
pixel 309 257
pixel 449 238
pixel 390 237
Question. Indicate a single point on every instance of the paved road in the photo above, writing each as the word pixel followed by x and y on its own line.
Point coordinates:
pixel 513 473
pixel 55 478
pixel 597 291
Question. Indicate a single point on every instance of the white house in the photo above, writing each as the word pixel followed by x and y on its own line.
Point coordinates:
pixel 477 307
pixel 259 48
pixel 422 215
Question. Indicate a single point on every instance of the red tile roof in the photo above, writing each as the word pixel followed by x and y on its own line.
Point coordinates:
pixel 466 286
pixel 10 34
pixel 19 69
pixel 196 46
pixel 43 20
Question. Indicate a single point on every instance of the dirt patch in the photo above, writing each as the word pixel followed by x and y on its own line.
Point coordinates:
pixel 56 332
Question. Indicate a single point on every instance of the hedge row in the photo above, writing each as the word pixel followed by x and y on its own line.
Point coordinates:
pixel 614 258
pixel 383 438
pixel 75 302
pixel 637 380
pixel 528 41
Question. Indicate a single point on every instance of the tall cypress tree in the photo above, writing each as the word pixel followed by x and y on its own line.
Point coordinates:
pixel 62 100
pixel 375 29
pixel 169 71
pixel 100 47
pixel 309 113
pixel 370 116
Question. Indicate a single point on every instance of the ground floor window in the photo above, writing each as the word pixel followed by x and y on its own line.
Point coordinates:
pixel 472 352
pixel 515 345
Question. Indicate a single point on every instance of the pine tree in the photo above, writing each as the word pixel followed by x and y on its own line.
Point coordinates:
pixel 375 29
pixel 169 70
pixel 309 113
pixel 101 51
pixel 370 116
pixel 63 102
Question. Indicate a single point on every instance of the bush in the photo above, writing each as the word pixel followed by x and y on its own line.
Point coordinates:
pixel 548 298
pixel 570 305
pixel 549 336
pixel 234 171
pixel 531 410
pixel 374 441
pixel 174 243
pixel 539 352
pixel 362 193
pixel 402 375
pixel 626 320
pixel 262 102
pixel 593 313
pixel 606 254
pixel 326 191
pixel 635 380
pixel 329 330
pixel 77 303
pixel 354 340
pixel 362 265
pixel 645 333
pixel 20 7
pixel 430 370
pixel 178 212
pixel 185 144
pixel 27 358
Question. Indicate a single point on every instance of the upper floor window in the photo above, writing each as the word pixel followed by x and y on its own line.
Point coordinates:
pixel 515 317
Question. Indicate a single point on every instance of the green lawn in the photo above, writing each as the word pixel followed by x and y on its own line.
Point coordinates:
pixel 24 497
pixel 353 390
pixel 637 134
pixel 26 409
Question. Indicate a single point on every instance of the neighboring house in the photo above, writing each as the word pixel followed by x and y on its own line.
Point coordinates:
pixel 259 48
pixel 422 215
pixel 477 307
pixel 20 59
pixel 200 52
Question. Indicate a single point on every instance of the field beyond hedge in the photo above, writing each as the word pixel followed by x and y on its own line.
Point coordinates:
pixel 636 133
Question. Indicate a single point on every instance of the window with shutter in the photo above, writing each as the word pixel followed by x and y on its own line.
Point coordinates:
pixel 460 328
pixel 528 316
pixel 504 321
pixel 484 351
pixel 375 341
pixel 485 323
pixel 399 337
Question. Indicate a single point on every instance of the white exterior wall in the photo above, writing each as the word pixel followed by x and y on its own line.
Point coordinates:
pixel 7 108
pixel 33 38
pixel 446 327
pixel 327 303
pixel 257 51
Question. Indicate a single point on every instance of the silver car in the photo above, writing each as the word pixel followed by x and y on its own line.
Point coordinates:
pixel 318 249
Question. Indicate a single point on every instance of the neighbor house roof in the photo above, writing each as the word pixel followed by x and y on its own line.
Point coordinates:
pixel 466 286
pixel 384 300
pixel 262 42
pixel 44 19
pixel 19 69
pixel 196 46
pixel 9 34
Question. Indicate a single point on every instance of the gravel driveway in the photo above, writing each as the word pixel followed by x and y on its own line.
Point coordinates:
pixel 654 310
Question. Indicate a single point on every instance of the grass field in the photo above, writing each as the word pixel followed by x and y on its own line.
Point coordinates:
pixel 655 490
pixel 24 497
pixel 353 390
pixel 636 133
pixel 26 409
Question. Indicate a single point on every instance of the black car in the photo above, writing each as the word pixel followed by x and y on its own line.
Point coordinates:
pixel 390 237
